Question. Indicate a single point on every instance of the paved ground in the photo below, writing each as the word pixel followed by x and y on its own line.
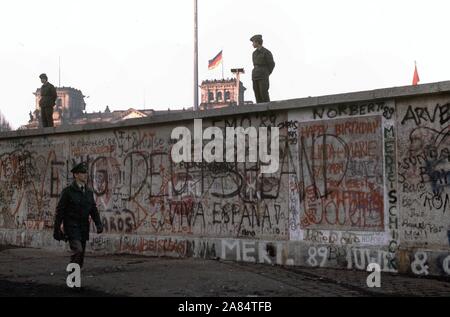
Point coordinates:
pixel 31 272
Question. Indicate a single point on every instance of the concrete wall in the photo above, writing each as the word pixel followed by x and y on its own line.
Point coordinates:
pixel 363 178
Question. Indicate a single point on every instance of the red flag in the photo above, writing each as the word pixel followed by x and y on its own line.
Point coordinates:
pixel 215 61
pixel 416 78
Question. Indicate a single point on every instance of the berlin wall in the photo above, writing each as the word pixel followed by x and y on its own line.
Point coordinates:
pixel 363 178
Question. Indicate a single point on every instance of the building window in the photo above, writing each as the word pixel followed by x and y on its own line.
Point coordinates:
pixel 227 95
pixel 210 96
pixel 219 96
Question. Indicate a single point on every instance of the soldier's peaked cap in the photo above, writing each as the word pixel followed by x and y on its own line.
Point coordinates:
pixel 79 168
pixel 43 76
pixel 256 37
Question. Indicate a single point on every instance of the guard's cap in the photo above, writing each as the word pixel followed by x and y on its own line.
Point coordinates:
pixel 80 168
pixel 257 37
pixel 43 76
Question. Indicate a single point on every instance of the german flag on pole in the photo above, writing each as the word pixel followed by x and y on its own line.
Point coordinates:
pixel 215 61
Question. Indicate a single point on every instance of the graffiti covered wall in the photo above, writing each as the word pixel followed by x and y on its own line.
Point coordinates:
pixel 424 171
pixel 139 190
pixel 358 182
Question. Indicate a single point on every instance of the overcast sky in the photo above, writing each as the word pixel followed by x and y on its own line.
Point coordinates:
pixel 139 53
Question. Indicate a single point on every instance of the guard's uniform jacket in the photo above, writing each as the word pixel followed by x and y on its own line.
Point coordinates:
pixel 263 64
pixel 48 96
pixel 74 209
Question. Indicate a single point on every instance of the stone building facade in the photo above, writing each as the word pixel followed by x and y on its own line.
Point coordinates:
pixel 221 93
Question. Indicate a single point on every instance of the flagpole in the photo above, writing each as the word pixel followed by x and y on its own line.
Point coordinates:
pixel 195 55
pixel 222 65
pixel 59 72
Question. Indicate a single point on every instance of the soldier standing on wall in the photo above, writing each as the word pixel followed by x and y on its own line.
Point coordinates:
pixel 47 101
pixel 263 68
pixel 75 206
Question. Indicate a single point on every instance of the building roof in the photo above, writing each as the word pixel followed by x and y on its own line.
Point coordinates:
pixel 219 81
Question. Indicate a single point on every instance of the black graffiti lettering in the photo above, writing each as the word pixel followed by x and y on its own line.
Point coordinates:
pixel 445 114
pixel 439 202
pixel 267 120
pixel 216 211
pixel 129 225
pixel 137 167
pixel 352 110
pixel 318 113
pixel 158 188
pixel 115 221
pixel 181 210
pixel 246 215
pixel 277 214
pixel 226 213
pixel 112 224
pixel 389 133
pixel 120 225
pixel 235 210
pixel 332 113
pixel 393 223
pixel 410 115
pixel 266 216
pixel 422 115
pixel 200 212
pixel 393 197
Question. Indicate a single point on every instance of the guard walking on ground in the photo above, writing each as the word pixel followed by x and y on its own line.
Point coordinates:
pixel 263 67
pixel 75 206
pixel 47 101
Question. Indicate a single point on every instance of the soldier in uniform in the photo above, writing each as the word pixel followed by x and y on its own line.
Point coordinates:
pixel 47 101
pixel 263 68
pixel 75 206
